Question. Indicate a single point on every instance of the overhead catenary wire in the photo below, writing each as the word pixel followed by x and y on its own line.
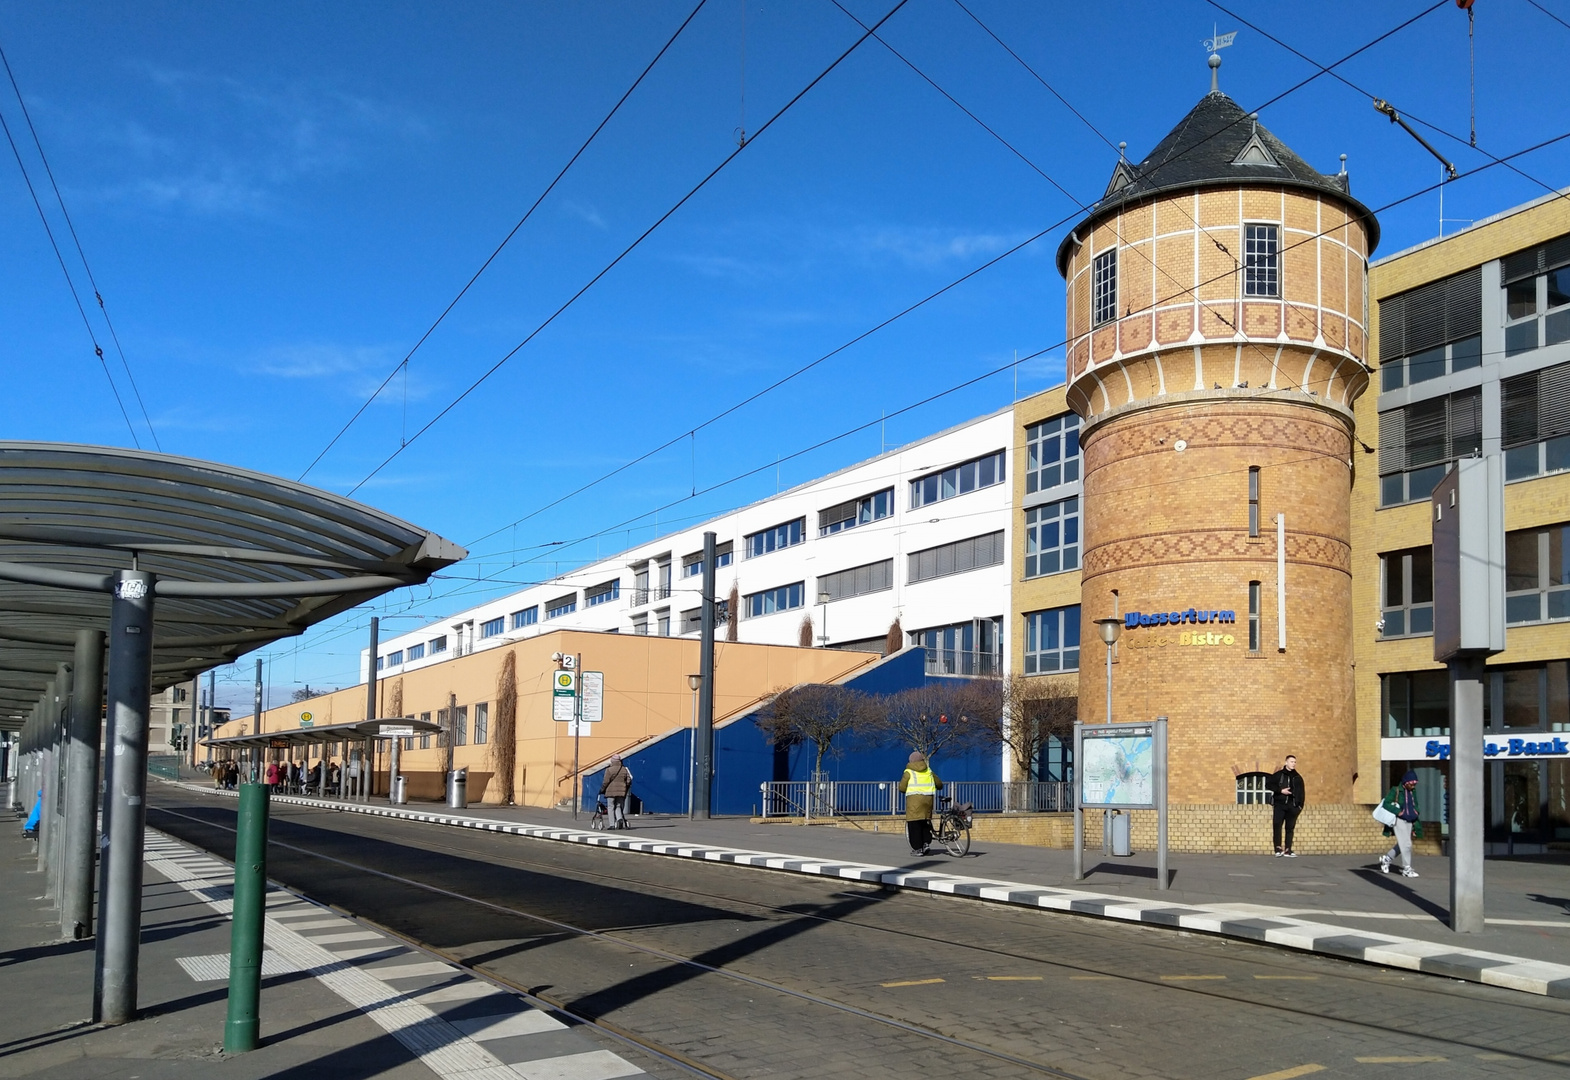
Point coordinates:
pixel 931 296
pixel 70 284
pixel 969 382
pixel 77 240
pixel 1463 140
pixel 628 250
pixel 403 365
pixel 1387 206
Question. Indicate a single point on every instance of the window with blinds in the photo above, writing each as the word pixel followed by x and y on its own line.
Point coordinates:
pixel 1536 405
pixel 1431 432
pixel 956 558
pixel 1536 260
pixel 1431 315
pixel 857 581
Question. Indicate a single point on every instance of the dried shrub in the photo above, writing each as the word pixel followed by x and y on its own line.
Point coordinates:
pixel 504 747
pixel 733 613
pixel 896 640
pixel 804 637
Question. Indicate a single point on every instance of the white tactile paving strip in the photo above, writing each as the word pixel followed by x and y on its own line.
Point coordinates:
pixel 445 1016
pixel 1246 921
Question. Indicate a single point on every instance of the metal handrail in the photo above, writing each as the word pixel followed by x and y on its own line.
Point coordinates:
pixel 867 798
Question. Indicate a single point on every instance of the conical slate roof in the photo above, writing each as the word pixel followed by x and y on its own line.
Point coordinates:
pixel 1217 145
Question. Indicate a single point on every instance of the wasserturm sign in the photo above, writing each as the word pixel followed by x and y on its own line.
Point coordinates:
pixel 1133 620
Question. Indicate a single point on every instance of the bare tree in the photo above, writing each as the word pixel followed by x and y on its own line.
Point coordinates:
pixel 1037 709
pixel 804 635
pixel 957 714
pixel 813 713
pixel 732 612
pixel 306 692
pixel 896 639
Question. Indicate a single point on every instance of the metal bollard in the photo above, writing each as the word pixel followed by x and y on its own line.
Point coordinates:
pixel 243 1024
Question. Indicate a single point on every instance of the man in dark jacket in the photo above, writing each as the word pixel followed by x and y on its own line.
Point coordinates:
pixel 1287 798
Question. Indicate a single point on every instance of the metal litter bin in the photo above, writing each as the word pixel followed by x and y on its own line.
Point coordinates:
pixel 1121 844
pixel 400 792
pixel 457 789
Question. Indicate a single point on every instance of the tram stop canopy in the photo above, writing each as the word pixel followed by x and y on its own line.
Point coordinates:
pixel 121 573
pixel 241 559
pixel 390 727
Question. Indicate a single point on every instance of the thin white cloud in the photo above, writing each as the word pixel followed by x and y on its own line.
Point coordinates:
pixel 584 212
pixel 216 144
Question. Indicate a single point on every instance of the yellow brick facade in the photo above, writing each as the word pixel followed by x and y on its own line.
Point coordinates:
pixel 1528 503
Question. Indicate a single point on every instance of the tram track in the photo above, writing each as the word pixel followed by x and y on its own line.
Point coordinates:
pixel 668 1053
pixel 1439 994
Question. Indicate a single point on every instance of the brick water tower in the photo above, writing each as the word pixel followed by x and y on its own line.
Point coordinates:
pixel 1217 310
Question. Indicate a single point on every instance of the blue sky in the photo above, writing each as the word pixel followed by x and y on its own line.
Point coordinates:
pixel 277 201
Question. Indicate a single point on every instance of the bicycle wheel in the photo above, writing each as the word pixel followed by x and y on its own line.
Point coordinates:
pixel 956 837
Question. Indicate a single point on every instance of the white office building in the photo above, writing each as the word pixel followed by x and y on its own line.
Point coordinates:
pixel 918 535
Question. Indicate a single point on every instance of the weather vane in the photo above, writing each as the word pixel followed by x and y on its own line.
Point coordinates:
pixel 1218 41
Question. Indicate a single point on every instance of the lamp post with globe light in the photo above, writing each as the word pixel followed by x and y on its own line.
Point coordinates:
pixel 1110 628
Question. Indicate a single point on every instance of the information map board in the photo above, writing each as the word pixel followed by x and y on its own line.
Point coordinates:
pixel 1117 767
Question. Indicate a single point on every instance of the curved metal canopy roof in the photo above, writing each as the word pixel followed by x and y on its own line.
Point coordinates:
pixel 242 558
pixel 312 736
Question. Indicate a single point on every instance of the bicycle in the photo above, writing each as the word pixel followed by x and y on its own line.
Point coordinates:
pixel 952 829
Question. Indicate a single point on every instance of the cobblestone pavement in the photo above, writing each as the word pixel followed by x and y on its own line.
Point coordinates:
pixel 800 977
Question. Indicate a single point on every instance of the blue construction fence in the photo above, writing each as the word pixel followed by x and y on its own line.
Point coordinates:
pixel 744 758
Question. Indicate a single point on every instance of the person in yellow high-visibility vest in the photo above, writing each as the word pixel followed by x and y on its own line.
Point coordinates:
pixel 921 786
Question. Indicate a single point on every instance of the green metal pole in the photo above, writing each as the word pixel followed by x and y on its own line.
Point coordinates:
pixel 250 902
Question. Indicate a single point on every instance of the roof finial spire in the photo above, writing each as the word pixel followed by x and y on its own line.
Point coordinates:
pixel 1214 44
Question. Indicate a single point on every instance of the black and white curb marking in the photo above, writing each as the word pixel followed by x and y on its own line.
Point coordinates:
pixel 1250 922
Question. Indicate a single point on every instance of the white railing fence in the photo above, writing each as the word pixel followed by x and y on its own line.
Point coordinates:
pixel 865 798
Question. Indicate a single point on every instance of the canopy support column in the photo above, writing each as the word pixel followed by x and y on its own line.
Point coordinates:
pixel 81 792
pixel 125 812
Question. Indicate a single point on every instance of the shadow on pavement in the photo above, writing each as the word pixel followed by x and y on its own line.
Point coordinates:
pixel 1391 883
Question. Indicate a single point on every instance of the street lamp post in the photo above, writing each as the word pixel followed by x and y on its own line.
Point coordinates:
pixel 823 603
pixel 1110 628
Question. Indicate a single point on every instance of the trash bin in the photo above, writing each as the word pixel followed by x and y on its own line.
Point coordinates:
pixel 400 792
pixel 457 789
pixel 1120 834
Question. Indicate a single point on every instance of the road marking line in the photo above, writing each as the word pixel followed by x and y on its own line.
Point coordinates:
pixel 1090 978
pixel 1013 978
pixel 913 982
pixel 1494 1057
pixel 1189 978
pixel 1288 1074
pixel 1301 977
pixel 1414 1060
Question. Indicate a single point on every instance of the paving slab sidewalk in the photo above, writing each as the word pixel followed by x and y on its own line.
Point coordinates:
pixel 338 999
pixel 1337 905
